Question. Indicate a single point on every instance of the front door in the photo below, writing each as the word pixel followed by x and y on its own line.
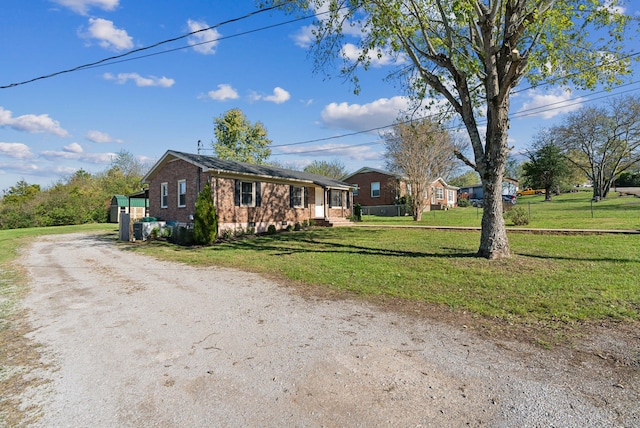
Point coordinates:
pixel 319 191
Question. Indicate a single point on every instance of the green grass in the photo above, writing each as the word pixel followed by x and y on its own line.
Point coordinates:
pixel 566 211
pixel 549 279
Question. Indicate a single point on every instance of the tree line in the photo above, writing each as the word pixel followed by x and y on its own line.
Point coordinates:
pixel 78 199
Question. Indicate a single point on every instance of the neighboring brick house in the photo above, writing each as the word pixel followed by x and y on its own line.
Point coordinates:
pixel 245 195
pixel 381 192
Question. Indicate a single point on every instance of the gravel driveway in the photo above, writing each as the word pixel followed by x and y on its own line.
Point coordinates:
pixel 135 342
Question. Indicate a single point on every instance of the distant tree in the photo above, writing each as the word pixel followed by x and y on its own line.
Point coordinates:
pixel 422 151
pixel 333 169
pixel 547 165
pixel 20 193
pixel 603 142
pixel 240 140
pixel 469 178
pixel 205 223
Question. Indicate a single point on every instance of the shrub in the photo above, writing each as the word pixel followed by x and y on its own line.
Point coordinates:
pixel 518 216
pixel 271 230
pixel 297 226
pixel 205 226
pixel 357 212
pixel 463 202
pixel 311 222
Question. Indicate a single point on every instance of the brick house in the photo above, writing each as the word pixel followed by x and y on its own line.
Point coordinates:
pixel 245 195
pixel 380 192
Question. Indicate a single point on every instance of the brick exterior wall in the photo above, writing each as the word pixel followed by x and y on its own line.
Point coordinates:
pixel 389 188
pixel 274 207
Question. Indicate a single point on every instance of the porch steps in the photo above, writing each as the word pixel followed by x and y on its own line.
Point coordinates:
pixel 333 222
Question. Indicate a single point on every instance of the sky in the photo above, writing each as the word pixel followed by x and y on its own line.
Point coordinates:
pixel 166 98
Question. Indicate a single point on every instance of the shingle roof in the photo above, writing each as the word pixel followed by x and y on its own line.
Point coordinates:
pixel 210 163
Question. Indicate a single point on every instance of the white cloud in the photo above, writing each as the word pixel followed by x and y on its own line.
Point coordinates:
pixel 223 93
pixel 304 38
pixel 352 53
pixel 83 6
pixel 101 137
pixel 203 42
pixel 615 8
pixel 15 150
pixel 361 117
pixel 74 151
pixel 279 96
pixel 109 37
pixel 122 78
pixel 32 123
pixel 549 105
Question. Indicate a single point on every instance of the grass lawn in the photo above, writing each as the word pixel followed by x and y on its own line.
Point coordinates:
pixel 550 280
pixel 566 211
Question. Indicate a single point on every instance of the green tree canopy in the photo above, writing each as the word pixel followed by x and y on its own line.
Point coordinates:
pixel 240 140
pixel 547 166
pixel 472 53
pixel 333 169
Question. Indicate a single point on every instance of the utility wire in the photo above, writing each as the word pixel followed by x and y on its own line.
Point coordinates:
pixel 115 57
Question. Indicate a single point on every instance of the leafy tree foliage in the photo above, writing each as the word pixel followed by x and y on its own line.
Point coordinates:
pixel 333 169
pixel 422 151
pixel 205 222
pixel 468 178
pixel 472 53
pixel 547 165
pixel 240 140
pixel 603 141
pixel 80 198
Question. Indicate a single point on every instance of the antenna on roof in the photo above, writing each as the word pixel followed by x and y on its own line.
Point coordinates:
pixel 199 146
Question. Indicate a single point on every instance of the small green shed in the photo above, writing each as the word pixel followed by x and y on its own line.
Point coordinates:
pixel 137 207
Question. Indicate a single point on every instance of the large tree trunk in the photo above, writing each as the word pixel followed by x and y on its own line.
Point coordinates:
pixel 493 239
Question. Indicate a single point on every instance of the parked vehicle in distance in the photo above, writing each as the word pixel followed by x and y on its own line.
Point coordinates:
pixel 530 191
pixel 510 199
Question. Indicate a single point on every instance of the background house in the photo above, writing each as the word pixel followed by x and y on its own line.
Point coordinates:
pixel 382 192
pixel 476 193
pixel 245 195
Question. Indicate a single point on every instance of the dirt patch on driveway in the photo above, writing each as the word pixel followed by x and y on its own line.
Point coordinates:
pixel 131 341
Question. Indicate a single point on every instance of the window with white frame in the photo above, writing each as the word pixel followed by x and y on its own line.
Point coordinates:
pixel 247 194
pixel 336 198
pixel 355 189
pixel 164 195
pixel 439 193
pixel 182 193
pixel 297 196
pixel 375 189
pixel 450 196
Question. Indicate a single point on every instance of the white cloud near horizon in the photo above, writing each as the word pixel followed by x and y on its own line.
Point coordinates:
pixel 15 150
pixel 31 123
pixel 82 6
pixel 74 151
pixel 550 104
pixel 223 93
pixel 122 78
pixel 101 137
pixel 362 117
pixel 204 42
pixel 108 36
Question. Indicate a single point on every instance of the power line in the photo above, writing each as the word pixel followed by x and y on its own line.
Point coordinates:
pixel 115 57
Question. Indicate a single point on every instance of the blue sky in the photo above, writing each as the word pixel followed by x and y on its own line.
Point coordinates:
pixel 52 127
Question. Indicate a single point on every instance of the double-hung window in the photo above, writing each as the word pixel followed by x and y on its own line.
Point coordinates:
pixel 164 195
pixel 375 189
pixel 247 194
pixel 439 193
pixel 336 198
pixel 297 196
pixel 182 193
